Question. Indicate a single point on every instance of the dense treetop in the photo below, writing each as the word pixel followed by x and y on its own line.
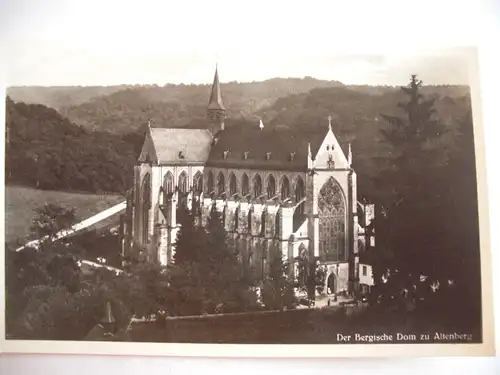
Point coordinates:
pixel 47 151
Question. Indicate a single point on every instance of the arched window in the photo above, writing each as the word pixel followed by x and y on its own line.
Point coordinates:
pixel 257 186
pixel 285 188
pixel 300 193
pixel 331 209
pixel 168 183
pixel 210 183
pixel 146 206
pixel 245 185
pixel 232 184
pixel 221 184
pixel 271 187
pixel 183 183
pixel 198 183
pixel 183 191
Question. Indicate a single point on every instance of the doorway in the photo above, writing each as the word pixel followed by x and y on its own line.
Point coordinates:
pixel 331 284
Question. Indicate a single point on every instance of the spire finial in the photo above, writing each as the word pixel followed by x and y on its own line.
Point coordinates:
pixel 349 156
pixel 330 122
pixel 261 125
pixel 149 123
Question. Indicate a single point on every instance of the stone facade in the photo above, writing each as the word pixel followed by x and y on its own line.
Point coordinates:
pixel 302 205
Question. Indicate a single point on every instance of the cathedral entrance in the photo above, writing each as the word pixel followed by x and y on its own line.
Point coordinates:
pixel 331 284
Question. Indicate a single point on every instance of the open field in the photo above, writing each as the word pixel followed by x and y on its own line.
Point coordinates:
pixel 20 203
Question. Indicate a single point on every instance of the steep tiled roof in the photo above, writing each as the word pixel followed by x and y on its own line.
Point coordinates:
pixel 268 148
pixel 179 145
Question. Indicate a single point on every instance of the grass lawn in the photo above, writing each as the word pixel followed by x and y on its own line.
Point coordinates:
pixel 20 203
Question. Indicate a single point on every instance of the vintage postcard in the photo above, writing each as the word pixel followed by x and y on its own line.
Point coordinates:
pixel 288 205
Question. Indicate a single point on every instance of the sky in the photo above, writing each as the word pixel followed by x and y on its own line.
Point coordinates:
pixel 104 42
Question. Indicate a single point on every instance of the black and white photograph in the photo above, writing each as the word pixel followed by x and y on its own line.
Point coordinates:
pixel 220 196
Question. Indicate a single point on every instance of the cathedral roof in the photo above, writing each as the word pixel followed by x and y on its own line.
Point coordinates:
pixel 171 145
pixel 215 101
pixel 266 148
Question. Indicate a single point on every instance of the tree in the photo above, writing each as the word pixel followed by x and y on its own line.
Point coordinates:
pixel 277 291
pixel 462 231
pixel 411 184
pixel 52 265
pixel 50 220
pixel 208 277
pixel 190 241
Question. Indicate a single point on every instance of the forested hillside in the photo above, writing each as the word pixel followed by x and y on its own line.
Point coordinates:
pixel 60 97
pixel 48 150
pixel 123 108
pixel 356 119
pixel 45 150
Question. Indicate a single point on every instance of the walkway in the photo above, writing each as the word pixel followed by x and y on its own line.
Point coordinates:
pixel 81 226
pixel 85 224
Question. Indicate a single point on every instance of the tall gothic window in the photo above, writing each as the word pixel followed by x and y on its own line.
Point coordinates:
pixel 198 183
pixel 210 183
pixel 232 184
pixel 183 185
pixel 183 189
pixel 146 206
pixel 285 188
pixel 197 190
pixel 245 185
pixel 271 187
pixel 300 193
pixel 168 183
pixel 221 184
pixel 257 186
pixel 331 209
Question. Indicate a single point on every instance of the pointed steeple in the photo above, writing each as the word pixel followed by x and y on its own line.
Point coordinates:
pixel 215 109
pixel 215 102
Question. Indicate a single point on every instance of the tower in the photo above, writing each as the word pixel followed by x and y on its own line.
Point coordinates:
pixel 332 201
pixel 215 109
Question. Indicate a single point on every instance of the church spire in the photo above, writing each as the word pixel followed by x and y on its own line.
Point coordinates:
pixel 215 102
pixel 216 109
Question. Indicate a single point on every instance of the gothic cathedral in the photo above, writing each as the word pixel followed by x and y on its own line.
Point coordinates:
pixel 276 191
